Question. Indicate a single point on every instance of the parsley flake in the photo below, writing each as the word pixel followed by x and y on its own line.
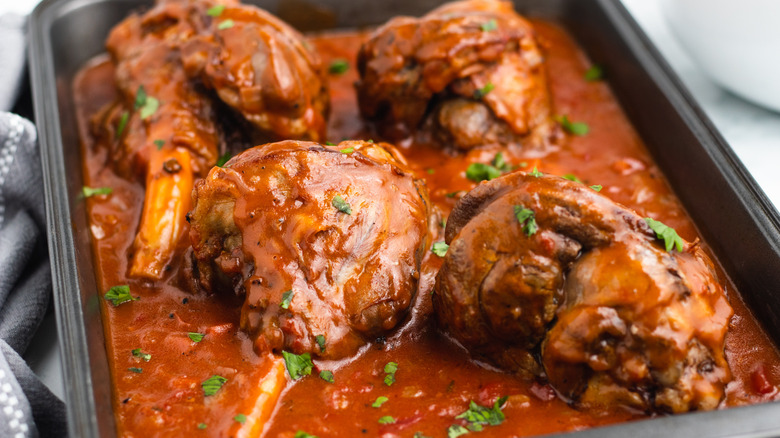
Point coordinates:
pixel 149 107
pixel 140 97
pixel 535 173
pixel 202 426
pixel 597 187
pixel 667 234
pixel 390 369
pixel 338 67
pixel 500 163
pixel 297 365
pixel 341 205
pixel 482 92
pixel 320 339
pixel 330 143
pixel 479 416
pixel 120 128
pixel 489 26
pixel 215 11
pixel 159 143
pixel 379 401
pixel 225 24
pixel 456 430
pixel 223 159
pixel 327 376
pixel 140 354
pixel 347 150
pixel 287 297
pixel 90 191
pixel 571 177
pixel 302 434
pixel 478 172
pixel 195 337
pixel 118 295
pixel 241 418
pixel 213 384
pixel 440 248
pixel 387 419
pixel 430 171
pixel 420 435
pixel 594 73
pixel 576 128
pixel 136 370
pixel 527 218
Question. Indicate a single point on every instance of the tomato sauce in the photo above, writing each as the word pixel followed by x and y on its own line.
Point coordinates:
pixel 436 379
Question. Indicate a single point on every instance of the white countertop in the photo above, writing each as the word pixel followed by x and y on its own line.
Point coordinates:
pixel 753 133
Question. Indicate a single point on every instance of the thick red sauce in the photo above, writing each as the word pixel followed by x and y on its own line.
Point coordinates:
pixel 436 379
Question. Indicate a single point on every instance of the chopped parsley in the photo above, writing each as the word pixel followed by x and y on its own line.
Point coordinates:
pixel 489 26
pixel 212 385
pixel 287 297
pixel 146 104
pixel 420 435
pixel 535 173
pixel 225 24
pixel 136 370
pixel 327 376
pixel 241 418
pixel 379 401
pixel 159 143
pixel 390 369
pixel 456 430
pixel 202 426
pixel 298 365
pixel 387 419
pixel 501 164
pixel 347 150
pixel 141 355
pixel 482 172
pixel 576 128
pixel 527 218
pixel 453 194
pixel 223 159
pixel 430 171
pixel 341 205
pixel 338 67
pixel 594 73
pixel 302 434
pixel 482 92
pixel 119 294
pixel 120 128
pixel 597 187
pixel 330 143
pixel 479 416
pixel 572 177
pixel 667 234
pixel 440 249
pixel 320 339
pixel 95 191
pixel 195 337
pixel 215 11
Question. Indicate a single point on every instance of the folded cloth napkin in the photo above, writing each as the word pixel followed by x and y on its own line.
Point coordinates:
pixel 27 407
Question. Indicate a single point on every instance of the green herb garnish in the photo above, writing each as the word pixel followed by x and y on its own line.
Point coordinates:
pixel 440 248
pixel 571 177
pixel 390 369
pixel 119 294
pixel 341 205
pixel 527 218
pixel 202 426
pixel 223 159
pixel 535 173
pixel 482 92
pixel 456 430
pixel 195 337
pixel 597 187
pixel 667 234
pixel 379 401
pixel 159 143
pixel 298 365
pixel 338 67
pixel 215 11
pixel 212 384
pixel 120 128
pixel 327 376
pixel 481 172
pixel 387 419
pixel 320 339
pixel 241 418
pixel 287 296
pixel 489 26
pixel 302 434
pixel 136 370
pixel 347 150
pixel 479 416
pixel 576 128
pixel 140 354
pixel 90 191
pixel 225 24
pixel 594 73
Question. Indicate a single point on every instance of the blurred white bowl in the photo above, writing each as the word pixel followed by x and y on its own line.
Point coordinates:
pixel 735 42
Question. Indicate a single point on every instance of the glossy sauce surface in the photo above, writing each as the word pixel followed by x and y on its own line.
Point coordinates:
pixel 435 379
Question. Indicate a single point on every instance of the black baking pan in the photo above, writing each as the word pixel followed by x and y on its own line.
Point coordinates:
pixel 729 209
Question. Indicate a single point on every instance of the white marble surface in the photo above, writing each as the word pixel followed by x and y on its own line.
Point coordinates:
pixel 753 132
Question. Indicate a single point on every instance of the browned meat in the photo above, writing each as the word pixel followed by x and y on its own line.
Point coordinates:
pixel 542 267
pixel 468 73
pixel 165 60
pixel 261 67
pixel 338 230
